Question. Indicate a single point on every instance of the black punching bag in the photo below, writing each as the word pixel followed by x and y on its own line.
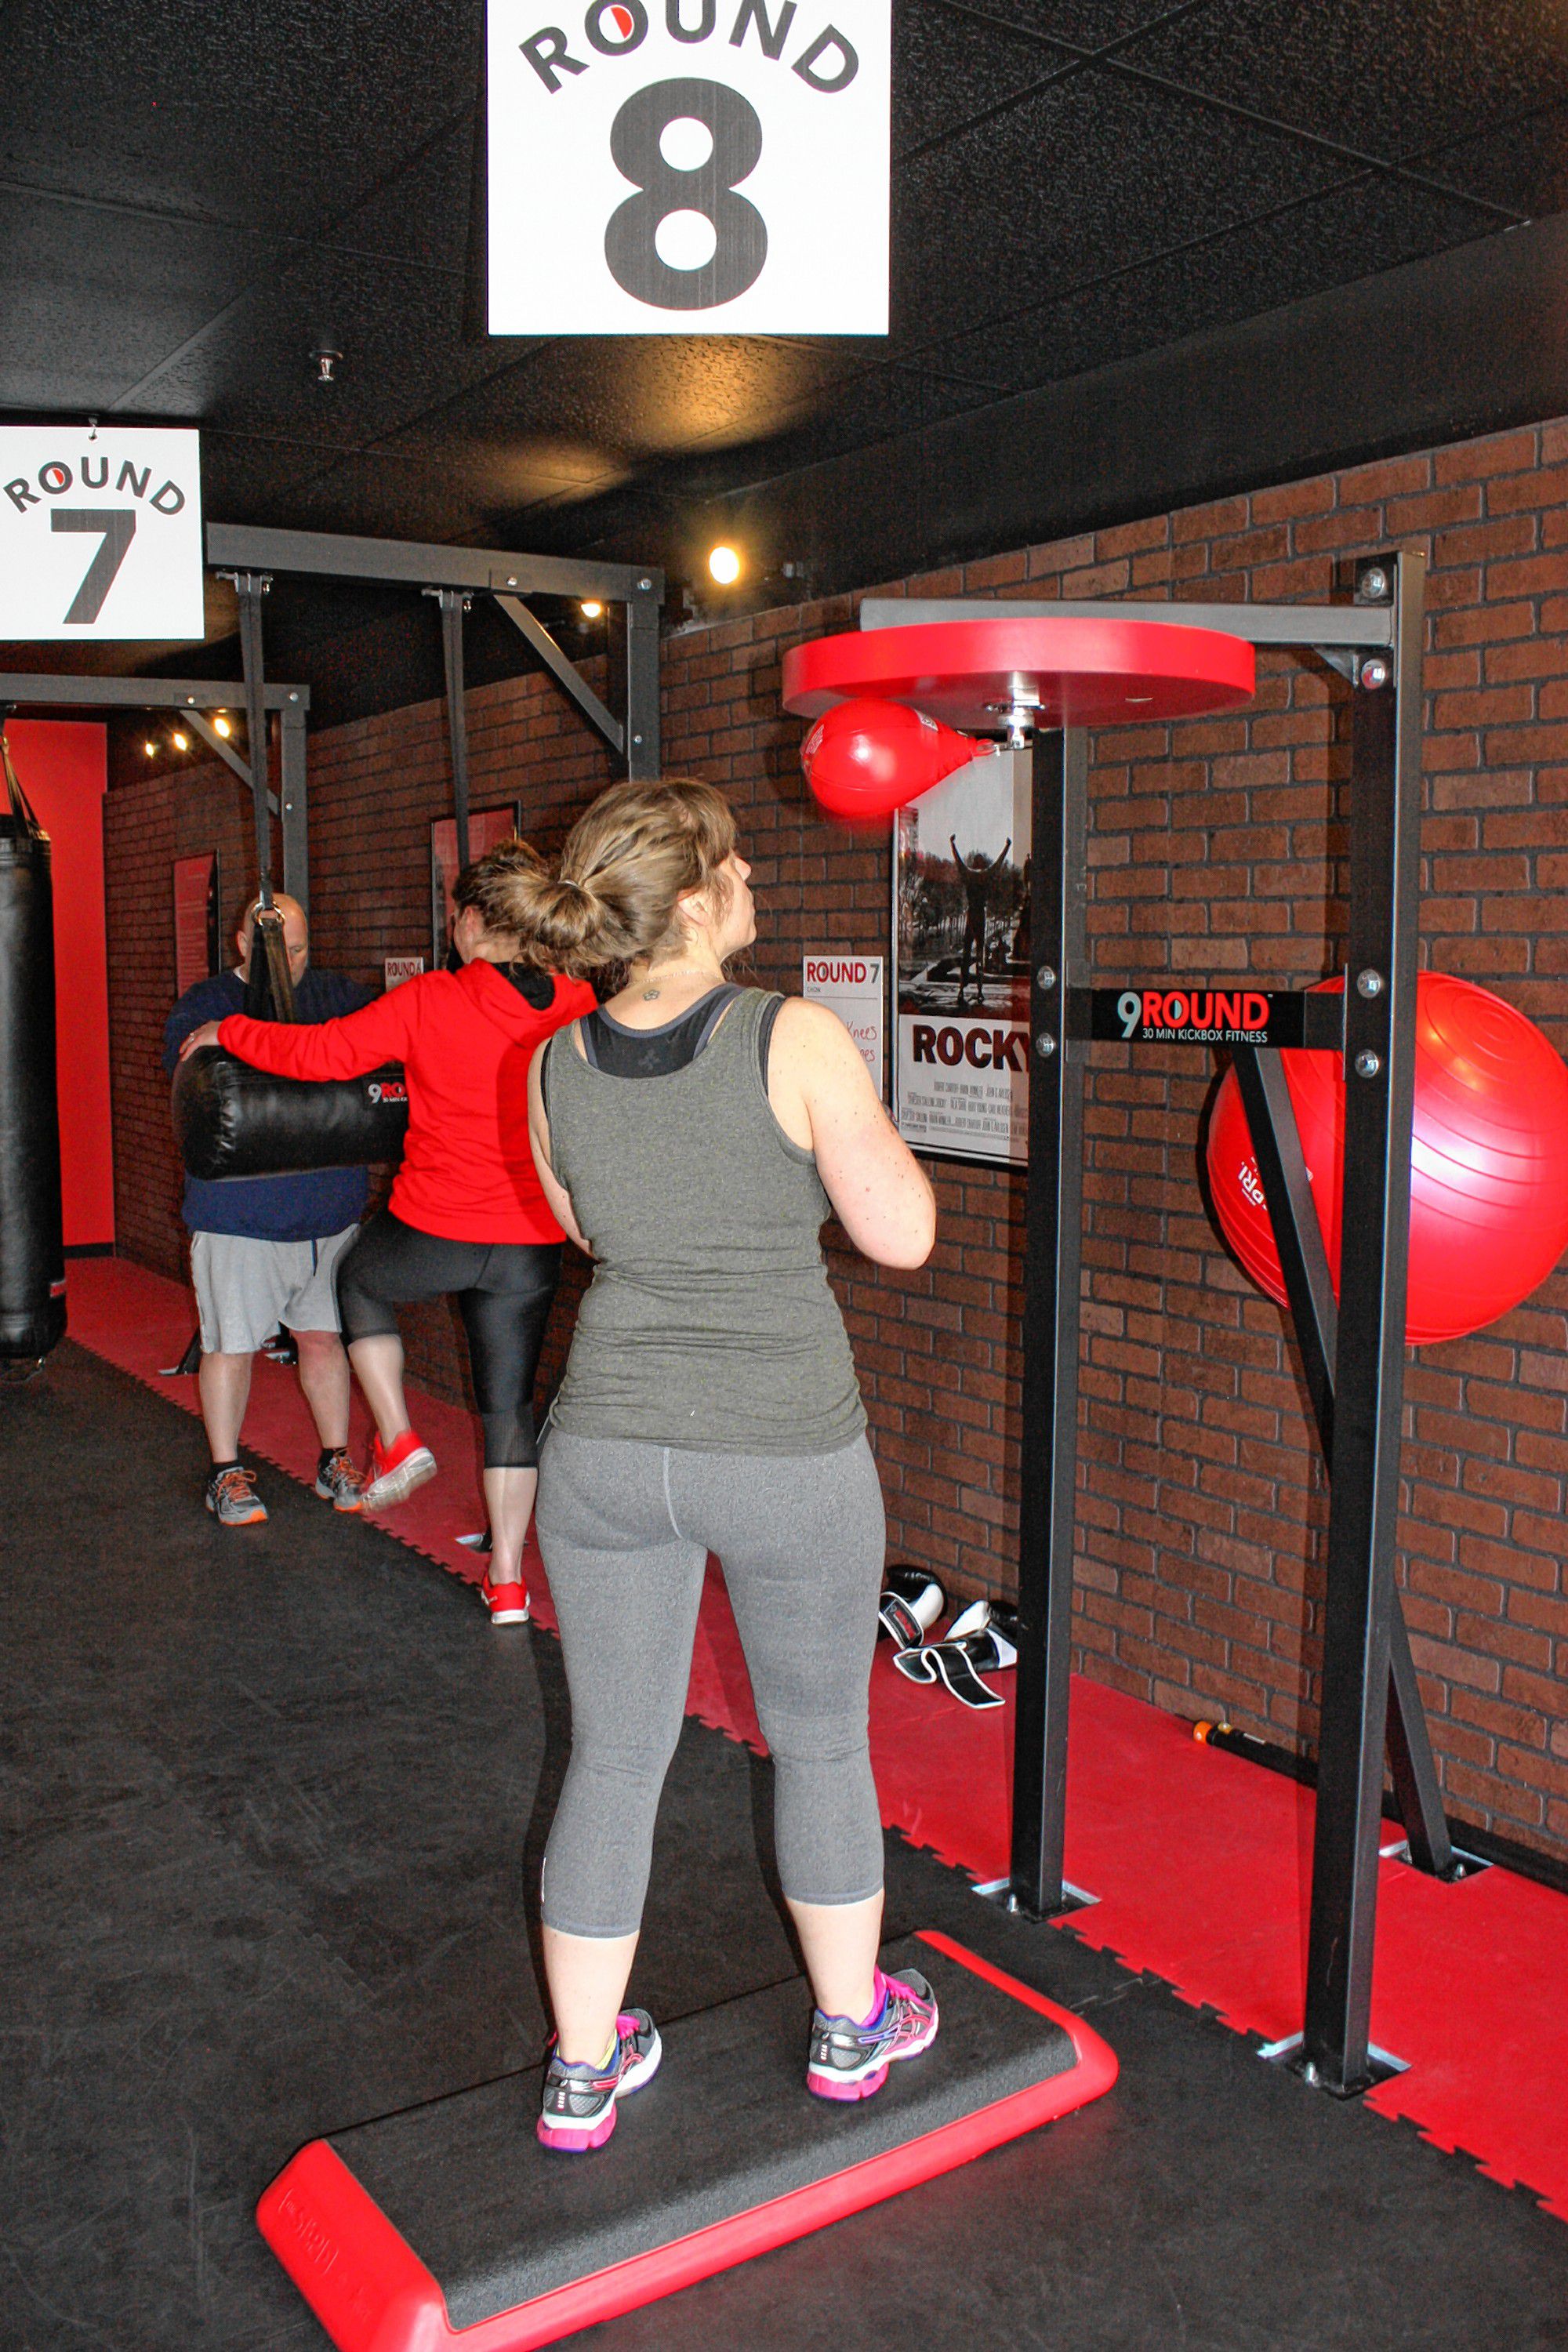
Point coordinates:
pixel 32 1251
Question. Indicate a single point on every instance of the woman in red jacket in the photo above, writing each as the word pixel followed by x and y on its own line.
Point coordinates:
pixel 466 1213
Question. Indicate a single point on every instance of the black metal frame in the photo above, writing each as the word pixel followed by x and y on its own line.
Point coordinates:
pixel 1352 1356
pixel 192 697
pixel 453 577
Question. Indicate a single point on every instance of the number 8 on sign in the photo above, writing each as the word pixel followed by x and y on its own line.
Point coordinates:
pixel 708 190
pixel 688 167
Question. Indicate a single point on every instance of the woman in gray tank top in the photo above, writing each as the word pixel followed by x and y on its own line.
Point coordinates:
pixel 693 1137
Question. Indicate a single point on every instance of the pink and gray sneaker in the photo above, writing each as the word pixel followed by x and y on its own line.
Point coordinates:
pixel 578 2110
pixel 851 2061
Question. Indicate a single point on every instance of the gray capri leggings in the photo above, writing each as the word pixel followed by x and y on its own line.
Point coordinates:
pixel 625 1528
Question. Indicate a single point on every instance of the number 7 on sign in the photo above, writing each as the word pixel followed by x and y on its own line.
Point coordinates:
pixel 117 525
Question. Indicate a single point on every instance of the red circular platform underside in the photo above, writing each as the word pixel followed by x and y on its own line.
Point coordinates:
pixel 1080 672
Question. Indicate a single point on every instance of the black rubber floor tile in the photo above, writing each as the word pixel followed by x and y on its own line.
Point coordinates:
pixel 273 1805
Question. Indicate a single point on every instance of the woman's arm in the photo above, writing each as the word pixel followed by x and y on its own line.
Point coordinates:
pixel 823 1098
pixel 355 1042
pixel 557 1197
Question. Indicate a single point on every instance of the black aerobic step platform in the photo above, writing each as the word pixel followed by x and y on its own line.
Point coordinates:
pixel 448 2223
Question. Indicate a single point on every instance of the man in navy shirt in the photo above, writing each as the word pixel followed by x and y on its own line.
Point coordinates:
pixel 263 1252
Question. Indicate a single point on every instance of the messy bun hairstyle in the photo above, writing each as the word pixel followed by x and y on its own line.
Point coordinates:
pixel 639 850
pixel 489 884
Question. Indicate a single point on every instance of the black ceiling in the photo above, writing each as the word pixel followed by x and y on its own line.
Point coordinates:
pixel 192 196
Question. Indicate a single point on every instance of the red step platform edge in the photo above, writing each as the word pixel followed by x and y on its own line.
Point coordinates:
pixel 371 2292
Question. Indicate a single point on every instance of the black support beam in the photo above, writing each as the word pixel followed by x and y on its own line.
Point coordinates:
pixel 1047 1496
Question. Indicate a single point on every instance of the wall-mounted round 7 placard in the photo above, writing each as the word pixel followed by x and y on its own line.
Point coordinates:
pixel 1078 672
pixel 688 167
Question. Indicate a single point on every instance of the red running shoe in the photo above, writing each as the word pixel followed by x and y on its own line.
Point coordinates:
pixel 396 1471
pixel 578 2110
pixel 508 1603
pixel 850 2061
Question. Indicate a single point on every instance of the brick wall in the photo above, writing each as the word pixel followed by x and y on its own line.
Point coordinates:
pixel 1217 847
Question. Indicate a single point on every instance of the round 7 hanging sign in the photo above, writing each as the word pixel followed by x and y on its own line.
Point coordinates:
pixel 681 167
pixel 100 532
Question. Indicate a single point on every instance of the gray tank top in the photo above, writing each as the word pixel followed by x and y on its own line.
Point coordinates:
pixel 709 1323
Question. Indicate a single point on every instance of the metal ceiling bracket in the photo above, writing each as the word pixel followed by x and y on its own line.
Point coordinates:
pixel 564 671
pixel 227 754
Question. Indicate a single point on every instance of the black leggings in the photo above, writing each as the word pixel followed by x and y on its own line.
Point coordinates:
pixel 503 1289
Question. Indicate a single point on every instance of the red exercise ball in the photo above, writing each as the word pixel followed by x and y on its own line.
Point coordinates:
pixel 865 759
pixel 1489 1166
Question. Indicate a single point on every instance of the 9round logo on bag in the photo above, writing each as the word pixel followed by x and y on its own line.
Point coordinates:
pixel 688 167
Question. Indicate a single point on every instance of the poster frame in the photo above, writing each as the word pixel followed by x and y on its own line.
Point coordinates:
pixel 513 811
pixel 1007 1166
pixel 212 859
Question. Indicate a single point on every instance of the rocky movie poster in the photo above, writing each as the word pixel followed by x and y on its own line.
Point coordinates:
pixel 961 917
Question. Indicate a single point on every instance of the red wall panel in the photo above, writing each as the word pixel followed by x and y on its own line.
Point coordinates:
pixel 62 764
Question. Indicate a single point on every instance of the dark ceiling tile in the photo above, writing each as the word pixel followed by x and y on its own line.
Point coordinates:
pixel 1086 24
pixel 1066 187
pixel 280 115
pixel 1353 230
pixel 94 297
pixel 1523 162
pixel 399 329
pixel 1392 80
pixel 638 397
pixel 949 66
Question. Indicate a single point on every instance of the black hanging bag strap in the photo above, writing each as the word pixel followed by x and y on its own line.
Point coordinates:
pixel 22 818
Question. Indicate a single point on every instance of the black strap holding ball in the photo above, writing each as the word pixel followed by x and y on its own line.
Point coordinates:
pixel 32 1251
pixel 232 1121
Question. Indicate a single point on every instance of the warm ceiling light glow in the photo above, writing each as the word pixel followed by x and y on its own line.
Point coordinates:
pixel 724 565
pixel 182 742
pixel 591 608
pixel 221 725
pixel 151 750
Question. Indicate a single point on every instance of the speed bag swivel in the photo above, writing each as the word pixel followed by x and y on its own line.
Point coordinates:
pixel 232 1121
pixel 32 1250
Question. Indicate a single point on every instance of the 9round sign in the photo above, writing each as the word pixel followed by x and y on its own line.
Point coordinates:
pixel 688 167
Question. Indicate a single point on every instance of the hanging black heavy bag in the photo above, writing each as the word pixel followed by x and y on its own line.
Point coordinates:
pixel 980 1640
pixel 32 1250
pixel 232 1121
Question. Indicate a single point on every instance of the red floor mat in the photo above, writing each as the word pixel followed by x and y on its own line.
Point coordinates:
pixel 1201 1862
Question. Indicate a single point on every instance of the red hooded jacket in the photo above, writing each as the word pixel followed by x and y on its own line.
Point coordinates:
pixel 466 1039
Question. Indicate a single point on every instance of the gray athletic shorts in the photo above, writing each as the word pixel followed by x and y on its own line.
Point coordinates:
pixel 245 1288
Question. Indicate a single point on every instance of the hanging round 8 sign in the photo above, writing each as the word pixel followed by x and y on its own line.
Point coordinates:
pixel 688 167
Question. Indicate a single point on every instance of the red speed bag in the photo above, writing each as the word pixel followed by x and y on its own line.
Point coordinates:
pixel 865 759
pixel 1489 1163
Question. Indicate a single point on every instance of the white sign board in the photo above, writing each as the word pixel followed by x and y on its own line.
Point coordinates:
pixel 961 916
pixel 851 986
pixel 396 970
pixel 688 167
pixel 101 533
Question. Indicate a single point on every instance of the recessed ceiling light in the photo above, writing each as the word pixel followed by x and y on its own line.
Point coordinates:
pixel 724 565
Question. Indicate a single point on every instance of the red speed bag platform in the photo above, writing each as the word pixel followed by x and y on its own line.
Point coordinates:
pixel 449 2224
pixel 1075 672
